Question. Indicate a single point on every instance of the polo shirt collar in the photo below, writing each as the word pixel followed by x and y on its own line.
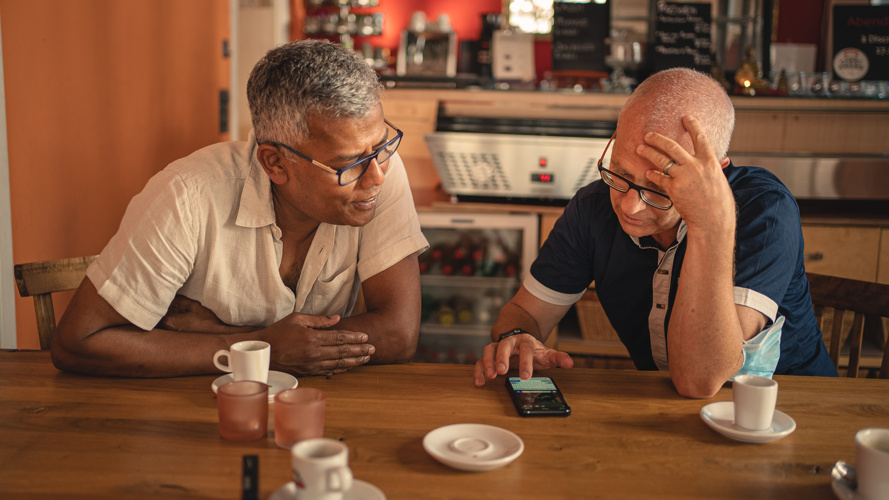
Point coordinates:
pixel 256 208
pixel 648 241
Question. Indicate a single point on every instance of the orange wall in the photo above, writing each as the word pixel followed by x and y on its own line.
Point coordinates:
pixel 100 95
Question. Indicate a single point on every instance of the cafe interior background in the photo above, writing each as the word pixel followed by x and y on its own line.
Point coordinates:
pixel 98 95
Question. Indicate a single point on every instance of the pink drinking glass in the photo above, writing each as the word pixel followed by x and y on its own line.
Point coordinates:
pixel 299 414
pixel 243 410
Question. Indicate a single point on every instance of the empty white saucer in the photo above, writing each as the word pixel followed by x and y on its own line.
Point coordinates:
pixel 721 418
pixel 843 491
pixel 278 381
pixel 361 490
pixel 473 447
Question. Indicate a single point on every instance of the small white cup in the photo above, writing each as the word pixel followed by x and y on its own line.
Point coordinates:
pixel 321 469
pixel 247 360
pixel 754 399
pixel 418 22
pixel 872 462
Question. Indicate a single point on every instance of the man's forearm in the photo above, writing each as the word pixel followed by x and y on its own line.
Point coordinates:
pixel 705 334
pixel 513 316
pixel 394 337
pixel 127 351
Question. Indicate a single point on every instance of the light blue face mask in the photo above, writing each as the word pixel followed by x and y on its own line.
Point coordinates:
pixel 761 353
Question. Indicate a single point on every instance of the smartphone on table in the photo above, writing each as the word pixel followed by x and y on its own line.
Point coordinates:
pixel 537 397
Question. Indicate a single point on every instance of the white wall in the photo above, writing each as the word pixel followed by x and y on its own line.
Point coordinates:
pixel 256 27
pixel 7 280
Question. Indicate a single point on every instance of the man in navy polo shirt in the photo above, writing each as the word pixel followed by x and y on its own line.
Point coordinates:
pixel 698 263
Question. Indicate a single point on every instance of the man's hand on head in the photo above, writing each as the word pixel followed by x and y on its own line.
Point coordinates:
pixel 695 182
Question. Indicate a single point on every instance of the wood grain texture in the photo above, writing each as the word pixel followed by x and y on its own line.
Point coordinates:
pixel 868 303
pixel 630 436
pixel 41 279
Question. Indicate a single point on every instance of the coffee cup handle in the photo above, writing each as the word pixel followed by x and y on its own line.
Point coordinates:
pixel 228 357
pixel 339 479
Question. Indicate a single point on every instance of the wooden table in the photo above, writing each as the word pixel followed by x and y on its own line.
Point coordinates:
pixel 630 436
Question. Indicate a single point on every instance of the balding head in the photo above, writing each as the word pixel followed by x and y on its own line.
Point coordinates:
pixel 660 102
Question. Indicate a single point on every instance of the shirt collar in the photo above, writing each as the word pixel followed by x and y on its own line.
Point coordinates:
pixel 256 208
pixel 648 241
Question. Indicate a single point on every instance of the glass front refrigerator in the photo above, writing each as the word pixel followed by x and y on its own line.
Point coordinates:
pixel 475 263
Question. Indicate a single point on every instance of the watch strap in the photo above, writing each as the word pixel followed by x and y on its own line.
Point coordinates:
pixel 515 331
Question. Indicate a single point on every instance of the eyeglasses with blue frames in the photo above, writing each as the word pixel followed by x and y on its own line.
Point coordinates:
pixel 620 184
pixel 353 171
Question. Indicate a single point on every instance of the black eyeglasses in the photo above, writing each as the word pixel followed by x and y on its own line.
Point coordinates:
pixel 353 171
pixel 618 183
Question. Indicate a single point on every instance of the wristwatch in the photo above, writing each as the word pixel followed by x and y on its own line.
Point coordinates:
pixel 516 331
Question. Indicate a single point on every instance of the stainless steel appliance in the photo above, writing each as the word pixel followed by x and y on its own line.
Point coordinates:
pixel 826 178
pixel 517 160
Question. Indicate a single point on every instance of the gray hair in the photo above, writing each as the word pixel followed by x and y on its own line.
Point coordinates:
pixel 304 78
pixel 665 97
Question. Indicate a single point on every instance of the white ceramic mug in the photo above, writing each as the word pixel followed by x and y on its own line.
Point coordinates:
pixel 247 360
pixel 754 400
pixel 321 469
pixel 872 462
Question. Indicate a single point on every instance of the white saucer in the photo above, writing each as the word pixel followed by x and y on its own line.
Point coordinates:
pixel 361 490
pixel 721 418
pixel 473 447
pixel 278 381
pixel 843 492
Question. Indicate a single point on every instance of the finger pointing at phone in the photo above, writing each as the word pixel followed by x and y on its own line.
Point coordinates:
pixel 524 352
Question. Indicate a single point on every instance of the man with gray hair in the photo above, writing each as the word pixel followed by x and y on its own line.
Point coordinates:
pixel 267 239
pixel 697 262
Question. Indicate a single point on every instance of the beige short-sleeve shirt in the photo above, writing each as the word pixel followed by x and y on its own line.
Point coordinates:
pixel 204 227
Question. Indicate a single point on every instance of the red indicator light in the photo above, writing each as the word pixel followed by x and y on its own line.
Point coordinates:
pixel 542 162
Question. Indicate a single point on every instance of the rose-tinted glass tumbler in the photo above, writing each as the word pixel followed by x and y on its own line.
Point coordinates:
pixel 299 415
pixel 243 410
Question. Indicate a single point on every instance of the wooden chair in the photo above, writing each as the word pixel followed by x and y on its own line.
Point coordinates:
pixel 868 301
pixel 41 279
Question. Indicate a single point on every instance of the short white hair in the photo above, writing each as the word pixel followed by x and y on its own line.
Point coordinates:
pixel 667 96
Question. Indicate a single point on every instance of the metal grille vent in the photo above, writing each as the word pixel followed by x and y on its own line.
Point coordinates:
pixel 474 170
pixel 588 174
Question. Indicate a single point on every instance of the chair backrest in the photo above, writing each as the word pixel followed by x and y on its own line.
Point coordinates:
pixel 869 303
pixel 41 279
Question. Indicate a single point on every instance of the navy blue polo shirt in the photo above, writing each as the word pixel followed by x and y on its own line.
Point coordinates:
pixel 588 244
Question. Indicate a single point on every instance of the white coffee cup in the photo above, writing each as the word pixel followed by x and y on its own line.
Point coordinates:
pixel 321 469
pixel 247 360
pixel 872 462
pixel 754 400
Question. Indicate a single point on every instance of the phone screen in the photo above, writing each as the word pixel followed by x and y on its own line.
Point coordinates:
pixel 537 396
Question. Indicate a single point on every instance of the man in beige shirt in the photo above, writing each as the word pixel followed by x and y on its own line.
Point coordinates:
pixel 266 239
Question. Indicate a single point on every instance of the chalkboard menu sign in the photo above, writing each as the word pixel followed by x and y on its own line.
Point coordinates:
pixel 579 33
pixel 682 36
pixel 861 42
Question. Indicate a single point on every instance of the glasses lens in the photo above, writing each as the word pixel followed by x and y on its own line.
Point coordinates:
pixel 388 150
pixel 655 199
pixel 382 155
pixel 352 173
pixel 615 181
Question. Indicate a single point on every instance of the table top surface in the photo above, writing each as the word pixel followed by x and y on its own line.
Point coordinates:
pixel 630 435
